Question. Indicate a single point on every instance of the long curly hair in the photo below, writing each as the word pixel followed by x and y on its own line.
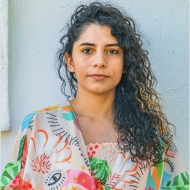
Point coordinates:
pixel 142 126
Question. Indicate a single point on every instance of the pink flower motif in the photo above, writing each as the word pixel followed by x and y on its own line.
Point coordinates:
pixel 149 188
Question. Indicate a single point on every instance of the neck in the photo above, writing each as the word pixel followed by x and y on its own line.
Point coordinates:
pixel 94 105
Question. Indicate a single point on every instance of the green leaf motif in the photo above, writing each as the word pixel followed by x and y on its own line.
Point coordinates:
pixel 107 188
pixel 21 147
pixel 100 168
pixel 180 182
pixel 11 170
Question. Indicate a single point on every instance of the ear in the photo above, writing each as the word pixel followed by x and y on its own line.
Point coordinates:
pixel 69 62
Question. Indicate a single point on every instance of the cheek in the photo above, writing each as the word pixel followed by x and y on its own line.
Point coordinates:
pixel 119 67
pixel 119 72
pixel 80 61
pixel 118 75
pixel 80 71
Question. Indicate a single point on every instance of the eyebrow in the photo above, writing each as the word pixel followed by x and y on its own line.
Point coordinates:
pixel 90 44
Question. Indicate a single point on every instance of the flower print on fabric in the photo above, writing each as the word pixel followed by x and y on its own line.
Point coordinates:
pixel 100 172
pixel 49 153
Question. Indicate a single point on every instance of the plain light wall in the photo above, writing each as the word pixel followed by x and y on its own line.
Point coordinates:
pixel 34 33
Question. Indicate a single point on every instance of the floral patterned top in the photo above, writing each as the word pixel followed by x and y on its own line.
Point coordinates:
pixel 49 153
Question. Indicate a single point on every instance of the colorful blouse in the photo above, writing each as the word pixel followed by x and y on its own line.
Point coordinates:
pixel 49 153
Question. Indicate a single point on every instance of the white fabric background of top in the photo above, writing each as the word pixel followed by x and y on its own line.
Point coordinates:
pixel 34 33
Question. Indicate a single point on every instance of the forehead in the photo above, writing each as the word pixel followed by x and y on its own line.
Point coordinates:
pixel 95 33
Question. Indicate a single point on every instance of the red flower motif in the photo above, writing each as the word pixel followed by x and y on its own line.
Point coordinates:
pixel 27 186
pixel 16 182
pixel 89 155
pixel 42 165
pixel 98 184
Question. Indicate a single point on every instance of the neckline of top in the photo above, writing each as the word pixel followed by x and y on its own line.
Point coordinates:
pixel 101 143
pixel 90 144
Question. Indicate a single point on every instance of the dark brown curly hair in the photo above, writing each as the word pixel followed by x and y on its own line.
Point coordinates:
pixel 142 126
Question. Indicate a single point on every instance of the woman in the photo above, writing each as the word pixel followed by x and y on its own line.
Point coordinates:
pixel 113 133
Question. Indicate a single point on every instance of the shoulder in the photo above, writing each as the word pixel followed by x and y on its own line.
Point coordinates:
pixel 51 112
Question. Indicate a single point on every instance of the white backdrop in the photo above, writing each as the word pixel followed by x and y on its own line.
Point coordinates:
pixel 34 33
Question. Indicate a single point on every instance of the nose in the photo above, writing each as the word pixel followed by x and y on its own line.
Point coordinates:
pixel 99 59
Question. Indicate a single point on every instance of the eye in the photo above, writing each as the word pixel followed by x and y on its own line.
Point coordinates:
pixel 88 51
pixel 111 51
pixel 54 179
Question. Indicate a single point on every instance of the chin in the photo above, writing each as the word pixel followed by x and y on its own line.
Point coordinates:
pixel 102 91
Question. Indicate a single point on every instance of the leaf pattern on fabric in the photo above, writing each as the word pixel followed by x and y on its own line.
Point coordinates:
pixel 113 179
pixel 106 188
pixel 21 147
pixel 27 120
pixel 165 178
pixel 11 170
pixel 22 170
pixel 42 164
pixel 180 182
pixel 100 169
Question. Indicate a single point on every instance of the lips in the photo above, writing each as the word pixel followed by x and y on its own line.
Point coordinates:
pixel 98 76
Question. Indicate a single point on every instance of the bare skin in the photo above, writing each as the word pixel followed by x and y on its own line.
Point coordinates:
pixel 96 52
pixel 95 119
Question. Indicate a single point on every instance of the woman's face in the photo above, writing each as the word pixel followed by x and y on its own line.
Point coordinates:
pixel 97 60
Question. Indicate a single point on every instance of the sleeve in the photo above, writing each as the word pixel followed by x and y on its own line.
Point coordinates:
pixel 174 174
pixel 12 173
